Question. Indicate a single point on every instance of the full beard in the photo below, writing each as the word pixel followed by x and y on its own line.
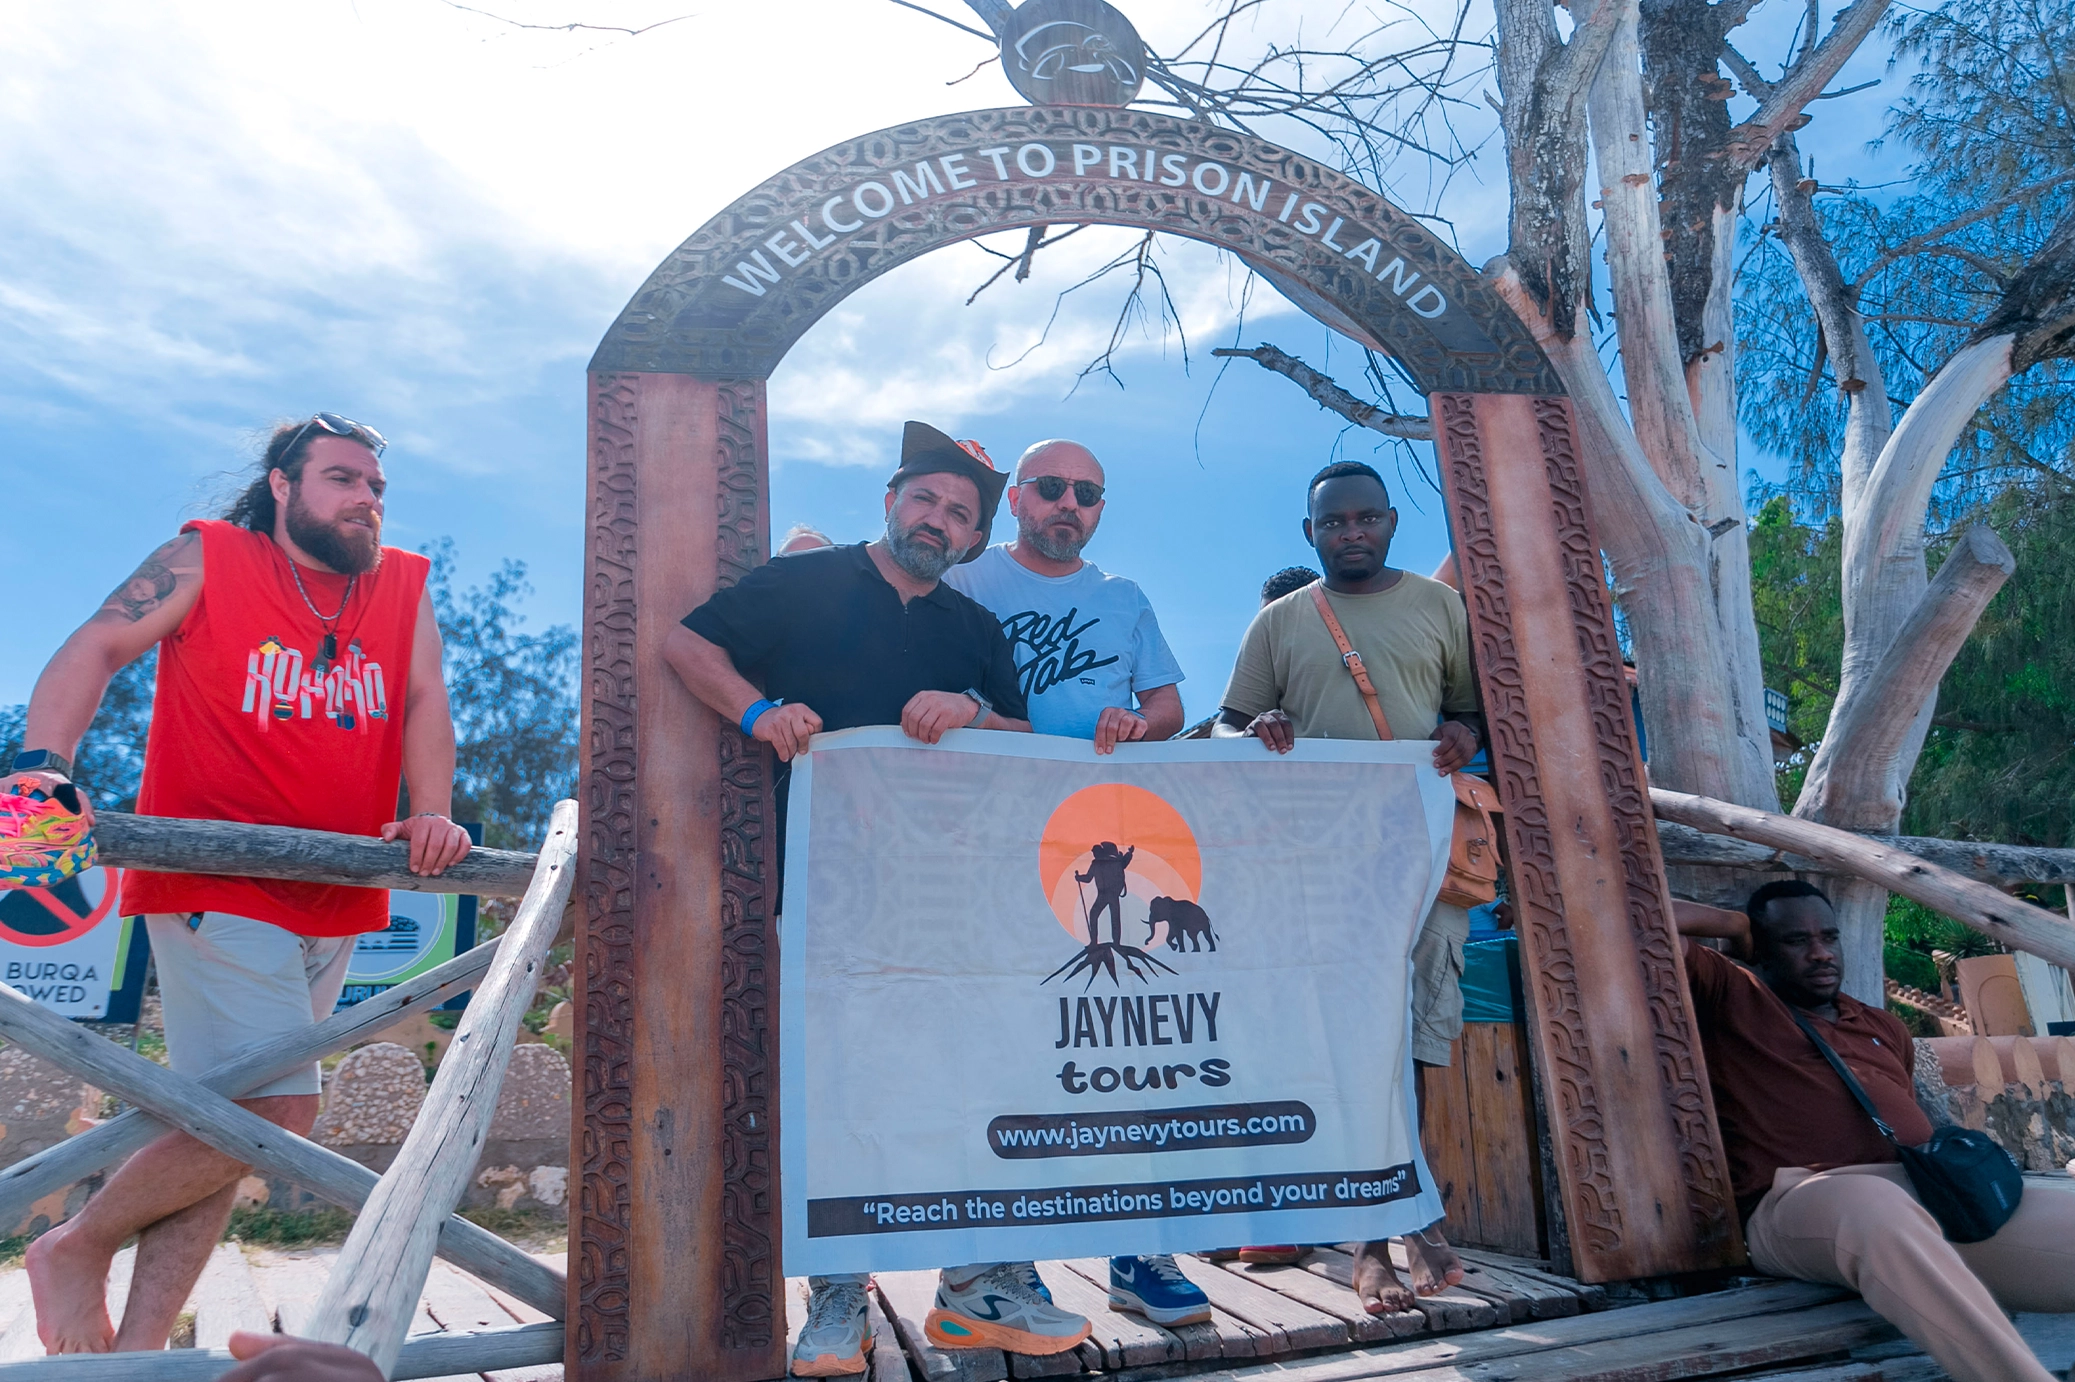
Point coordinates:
pixel 348 550
pixel 919 559
pixel 1051 545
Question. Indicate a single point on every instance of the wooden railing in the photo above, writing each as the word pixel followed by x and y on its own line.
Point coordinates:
pixel 406 1215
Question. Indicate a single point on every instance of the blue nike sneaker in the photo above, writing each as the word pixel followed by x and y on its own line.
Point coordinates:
pixel 1027 1273
pixel 1155 1287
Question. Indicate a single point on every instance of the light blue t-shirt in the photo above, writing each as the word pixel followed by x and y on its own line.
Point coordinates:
pixel 1081 642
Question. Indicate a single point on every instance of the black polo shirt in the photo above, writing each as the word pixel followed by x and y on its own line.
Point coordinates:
pixel 824 629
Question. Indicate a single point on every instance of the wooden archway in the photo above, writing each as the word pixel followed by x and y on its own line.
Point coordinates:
pixel 674 1233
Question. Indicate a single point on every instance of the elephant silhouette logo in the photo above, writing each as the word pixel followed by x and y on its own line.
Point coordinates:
pixel 1114 857
pixel 1185 921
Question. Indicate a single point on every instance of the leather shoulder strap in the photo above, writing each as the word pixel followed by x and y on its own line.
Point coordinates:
pixel 1351 660
pixel 1844 1072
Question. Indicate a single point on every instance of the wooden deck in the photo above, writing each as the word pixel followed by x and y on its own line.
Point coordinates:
pixel 1511 1321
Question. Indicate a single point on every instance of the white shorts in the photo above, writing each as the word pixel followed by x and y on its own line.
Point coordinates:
pixel 228 984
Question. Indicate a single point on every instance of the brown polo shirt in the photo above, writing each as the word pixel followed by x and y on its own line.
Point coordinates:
pixel 1779 1102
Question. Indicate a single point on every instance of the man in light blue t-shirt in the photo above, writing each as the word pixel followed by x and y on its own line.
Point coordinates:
pixel 1085 642
pixel 1092 665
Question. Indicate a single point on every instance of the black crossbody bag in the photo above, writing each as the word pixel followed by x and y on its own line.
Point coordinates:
pixel 1968 1183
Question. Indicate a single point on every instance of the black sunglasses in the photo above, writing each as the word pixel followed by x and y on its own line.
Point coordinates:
pixel 341 427
pixel 1050 487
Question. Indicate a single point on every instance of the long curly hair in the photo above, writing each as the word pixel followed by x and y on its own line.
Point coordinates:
pixel 254 506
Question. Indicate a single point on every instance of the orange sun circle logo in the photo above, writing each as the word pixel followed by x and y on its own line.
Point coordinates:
pixel 1120 824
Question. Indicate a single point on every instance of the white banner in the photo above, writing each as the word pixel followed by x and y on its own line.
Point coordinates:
pixel 970 1075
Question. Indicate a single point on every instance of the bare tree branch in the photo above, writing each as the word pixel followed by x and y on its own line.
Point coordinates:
pixel 574 26
pixel 1804 81
pixel 1021 263
pixel 1331 396
pixel 944 18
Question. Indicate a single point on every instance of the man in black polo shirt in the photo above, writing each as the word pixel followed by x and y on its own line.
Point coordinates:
pixel 840 637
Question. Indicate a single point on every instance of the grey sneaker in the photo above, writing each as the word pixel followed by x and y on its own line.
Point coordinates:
pixel 996 1309
pixel 833 1342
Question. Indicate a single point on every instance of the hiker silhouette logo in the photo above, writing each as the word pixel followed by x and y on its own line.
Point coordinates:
pixel 1123 875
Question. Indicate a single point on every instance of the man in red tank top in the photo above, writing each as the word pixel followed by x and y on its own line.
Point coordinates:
pixel 298 679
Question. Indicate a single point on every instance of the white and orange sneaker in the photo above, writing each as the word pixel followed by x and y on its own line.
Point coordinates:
pixel 999 1309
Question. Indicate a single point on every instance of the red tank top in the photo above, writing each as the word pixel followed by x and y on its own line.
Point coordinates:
pixel 245 728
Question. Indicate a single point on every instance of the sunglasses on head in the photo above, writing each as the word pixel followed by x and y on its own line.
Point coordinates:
pixel 341 427
pixel 1051 487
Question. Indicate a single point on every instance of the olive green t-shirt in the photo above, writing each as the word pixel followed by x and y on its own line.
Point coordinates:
pixel 1414 639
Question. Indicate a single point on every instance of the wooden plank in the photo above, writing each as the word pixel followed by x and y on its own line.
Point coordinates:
pixel 1728 1309
pixel 227 1299
pixel 1918 1369
pixel 1530 1299
pixel 1046 1364
pixel 1502 1138
pixel 1444 1135
pixel 428 1356
pixel 1324 1296
pixel 1290 1325
pixel 888 1362
pixel 1446 1312
pixel 76 1158
pixel 907 1298
pixel 1222 1337
pixel 1590 1297
pixel 373 1290
pixel 1707 1351
pixel 164 845
pixel 1120 1339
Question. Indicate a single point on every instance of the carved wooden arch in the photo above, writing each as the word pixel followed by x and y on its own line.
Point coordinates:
pixel 674 1231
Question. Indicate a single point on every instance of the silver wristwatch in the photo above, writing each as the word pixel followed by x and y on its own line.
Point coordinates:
pixel 986 708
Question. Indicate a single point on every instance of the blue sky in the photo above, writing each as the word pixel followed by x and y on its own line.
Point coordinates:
pixel 215 216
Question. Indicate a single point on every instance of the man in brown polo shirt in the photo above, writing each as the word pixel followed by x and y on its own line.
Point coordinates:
pixel 1822 1194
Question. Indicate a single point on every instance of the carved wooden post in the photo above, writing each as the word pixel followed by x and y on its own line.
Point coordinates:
pixel 674 1233
pixel 1629 1108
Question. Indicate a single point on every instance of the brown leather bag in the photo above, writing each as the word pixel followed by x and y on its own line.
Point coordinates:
pixel 1473 852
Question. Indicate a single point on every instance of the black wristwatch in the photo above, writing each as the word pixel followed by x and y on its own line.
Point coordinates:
pixel 986 708
pixel 42 761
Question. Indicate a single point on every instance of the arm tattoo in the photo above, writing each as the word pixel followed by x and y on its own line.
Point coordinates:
pixel 149 586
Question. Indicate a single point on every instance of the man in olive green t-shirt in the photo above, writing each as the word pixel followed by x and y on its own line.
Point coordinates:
pixel 1289 684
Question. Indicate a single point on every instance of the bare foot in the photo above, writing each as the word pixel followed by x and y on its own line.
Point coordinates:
pixel 1376 1280
pixel 1435 1267
pixel 69 1283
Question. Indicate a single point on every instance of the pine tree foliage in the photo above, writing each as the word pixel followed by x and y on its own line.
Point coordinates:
pixel 514 702
pixel 1988 119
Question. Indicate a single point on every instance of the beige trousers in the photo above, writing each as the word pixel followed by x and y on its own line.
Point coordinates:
pixel 1861 1226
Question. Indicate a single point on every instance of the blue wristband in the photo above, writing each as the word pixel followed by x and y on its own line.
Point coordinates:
pixel 756 712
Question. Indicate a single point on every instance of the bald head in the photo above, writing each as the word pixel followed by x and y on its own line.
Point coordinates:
pixel 1054 529
pixel 1048 458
